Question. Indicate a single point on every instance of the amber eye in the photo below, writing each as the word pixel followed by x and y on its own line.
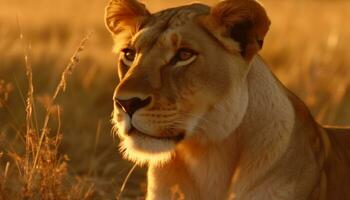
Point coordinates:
pixel 128 56
pixel 184 54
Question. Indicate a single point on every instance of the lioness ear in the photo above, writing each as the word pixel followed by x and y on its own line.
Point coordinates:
pixel 125 14
pixel 245 21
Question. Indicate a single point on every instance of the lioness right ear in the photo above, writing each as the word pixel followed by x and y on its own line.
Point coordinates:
pixel 121 15
pixel 245 21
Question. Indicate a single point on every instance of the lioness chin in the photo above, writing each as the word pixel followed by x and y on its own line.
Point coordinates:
pixel 198 105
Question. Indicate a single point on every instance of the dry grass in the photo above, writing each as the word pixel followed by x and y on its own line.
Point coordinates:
pixel 59 146
pixel 42 168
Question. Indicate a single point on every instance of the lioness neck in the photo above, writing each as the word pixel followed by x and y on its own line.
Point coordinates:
pixel 264 133
pixel 233 167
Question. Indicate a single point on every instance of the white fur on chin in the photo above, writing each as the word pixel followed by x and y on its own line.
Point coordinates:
pixel 142 150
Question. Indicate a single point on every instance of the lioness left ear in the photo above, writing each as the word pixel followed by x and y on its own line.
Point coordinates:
pixel 245 21
pixel 123 15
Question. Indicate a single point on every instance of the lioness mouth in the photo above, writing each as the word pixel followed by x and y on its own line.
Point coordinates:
pixel 176 138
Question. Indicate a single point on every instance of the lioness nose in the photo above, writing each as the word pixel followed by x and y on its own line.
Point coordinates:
pixel 130 106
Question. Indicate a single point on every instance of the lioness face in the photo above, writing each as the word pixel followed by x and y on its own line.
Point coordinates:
pixel 179 79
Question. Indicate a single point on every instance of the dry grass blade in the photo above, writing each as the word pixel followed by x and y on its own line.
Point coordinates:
pixel 125 181
pixel 30 96
pixel 42 167
pixel 30 148
pixel 60 87
pixel 71 65
pixel 29 116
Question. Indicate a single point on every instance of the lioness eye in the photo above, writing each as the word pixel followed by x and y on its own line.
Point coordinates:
pixel 184 54
pixel 128 56
pixel 184 57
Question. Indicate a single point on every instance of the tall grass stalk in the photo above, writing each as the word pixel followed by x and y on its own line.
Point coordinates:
pixel 122 188
pixel 43 168
pixel 60 87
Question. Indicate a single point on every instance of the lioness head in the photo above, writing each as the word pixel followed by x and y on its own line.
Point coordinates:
pixel 182 73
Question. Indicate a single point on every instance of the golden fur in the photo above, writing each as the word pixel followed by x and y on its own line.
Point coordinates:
pixel 212 121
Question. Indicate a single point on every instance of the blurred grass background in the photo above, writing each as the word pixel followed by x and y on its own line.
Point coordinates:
pixel 308 47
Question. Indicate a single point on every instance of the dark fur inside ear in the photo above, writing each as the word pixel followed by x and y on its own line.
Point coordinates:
pixel 240 32
pixel 245 21
pixel 261 43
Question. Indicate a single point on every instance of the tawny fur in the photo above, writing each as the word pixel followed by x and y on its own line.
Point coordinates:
pixel 245 135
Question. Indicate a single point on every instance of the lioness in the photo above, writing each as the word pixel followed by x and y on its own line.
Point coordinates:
pixel 198 105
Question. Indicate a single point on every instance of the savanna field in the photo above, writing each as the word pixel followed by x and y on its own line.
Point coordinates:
pixel 57 76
